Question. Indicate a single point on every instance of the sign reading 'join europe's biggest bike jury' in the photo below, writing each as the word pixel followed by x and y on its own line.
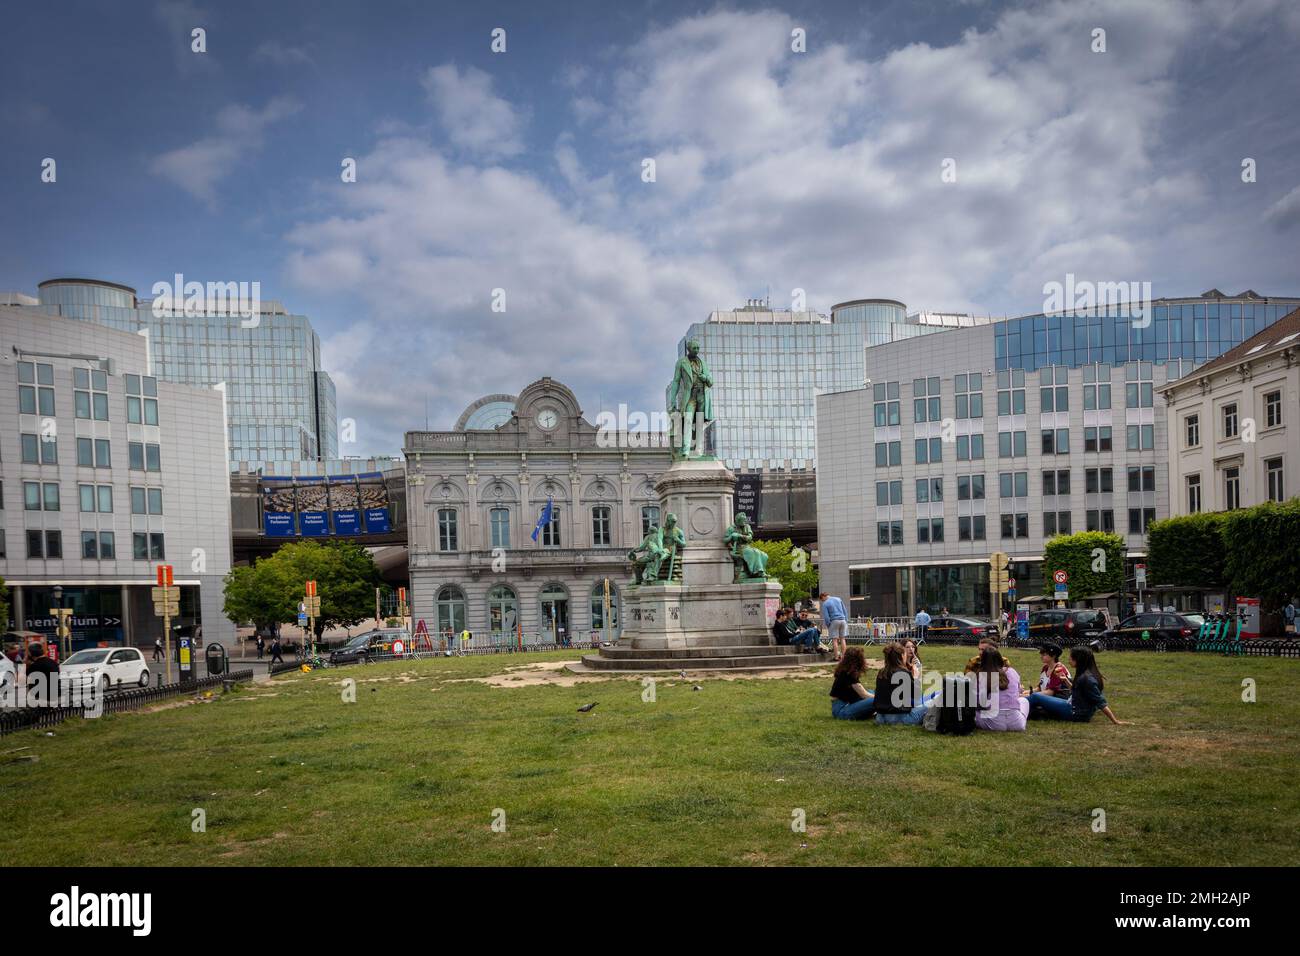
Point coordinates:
pixel 318 507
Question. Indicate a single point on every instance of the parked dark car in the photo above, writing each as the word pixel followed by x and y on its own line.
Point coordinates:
pixel 366 647
pixel 963 628
pixel 1067 626
pixel 1157 626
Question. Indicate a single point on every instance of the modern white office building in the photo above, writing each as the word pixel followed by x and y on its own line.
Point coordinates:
pixel 1234 438
pixel 996 437
pixel 105 472
pixel 281 401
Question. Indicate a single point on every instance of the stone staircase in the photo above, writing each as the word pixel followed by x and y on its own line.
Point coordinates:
pixel 730 658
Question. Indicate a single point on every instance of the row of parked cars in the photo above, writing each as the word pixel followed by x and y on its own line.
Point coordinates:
pixel 1076 626
pixel 110 668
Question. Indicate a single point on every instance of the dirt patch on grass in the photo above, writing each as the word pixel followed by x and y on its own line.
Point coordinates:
pixel 553 673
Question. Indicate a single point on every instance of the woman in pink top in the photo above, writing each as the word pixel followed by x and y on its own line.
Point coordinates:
pixel 1006 709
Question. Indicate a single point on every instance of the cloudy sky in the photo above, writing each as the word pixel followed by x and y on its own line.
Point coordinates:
pixel 522 170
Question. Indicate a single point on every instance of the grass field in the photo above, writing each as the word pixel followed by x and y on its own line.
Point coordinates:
pixel 287 773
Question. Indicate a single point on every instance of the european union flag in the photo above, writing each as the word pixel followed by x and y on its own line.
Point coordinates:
pixel 544 520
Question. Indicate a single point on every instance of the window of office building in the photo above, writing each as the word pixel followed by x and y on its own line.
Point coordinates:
pixel 969 396
pixel 1015 525
pixel 90 393
pixel 35 388
pixel 147 546
pixel 1231 489
pixel 1098 481
pixel 889 492
pixel 39 449
pixel 929 489
pixel 1141 478
pixel 1056 482
pixel 144 456
pixel 44 544
pixel 1230 420
pixel 970 528
pixel 500 522
pixel 1054 389
pixel 1193 494
pixel 1056 522
pixel 146 501
pixel 1056 441
pixel 970 447
pixel 1013 484
pixel 1102 519
pixel 889 453
pixel 1139 519
pixel 1140 437
pixel 1272 409
pixel 1097 439
pixel 929 530
pixel 889 533
pixel 925 400
pixel 1012 445
pixel 1096 387
pixel 600 527
pixel 96 498
pixel 1011 392
pixel 447 530
pixel 929 451
pixel 970 487
pixel 1139 387
pixel 1192 430
pixel 885 396
pixel 142 399
pixel 40 496
pixel 1273 472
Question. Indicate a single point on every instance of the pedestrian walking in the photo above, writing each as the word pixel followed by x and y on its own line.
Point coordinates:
pixel 1292 614
pixel 275 650
pixel 157 649
pixel 922 623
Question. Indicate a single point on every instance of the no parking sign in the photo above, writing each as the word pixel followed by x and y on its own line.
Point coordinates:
pixel 399 646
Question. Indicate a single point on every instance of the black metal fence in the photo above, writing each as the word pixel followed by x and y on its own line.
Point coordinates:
pixel 37 718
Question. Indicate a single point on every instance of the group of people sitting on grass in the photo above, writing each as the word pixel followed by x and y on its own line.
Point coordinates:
pixel 1000 702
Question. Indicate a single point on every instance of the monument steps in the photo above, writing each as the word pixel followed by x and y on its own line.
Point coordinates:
pixel 683 653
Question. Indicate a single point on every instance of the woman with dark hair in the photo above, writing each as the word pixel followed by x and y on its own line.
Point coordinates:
pixel 911 660
pixel 849 699
pixel 1001 706
pixel 898 692
pixel 1085 696
pixel 1054 679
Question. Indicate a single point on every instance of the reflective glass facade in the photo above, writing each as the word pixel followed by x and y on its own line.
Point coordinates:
pixel 767 367
pixel 280 401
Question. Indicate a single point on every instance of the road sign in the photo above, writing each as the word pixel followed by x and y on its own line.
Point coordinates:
pixel 311 607
pixel 399 646
pixel 310 589
pixel 998 560
pixel 1141 570
pixel 164 575
pixel 401 595
pixel 172 593
pixel 1060 577
pixel 302 618
pixel 1011 583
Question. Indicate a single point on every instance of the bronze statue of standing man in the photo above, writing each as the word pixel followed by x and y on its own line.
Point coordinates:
pixel 690 403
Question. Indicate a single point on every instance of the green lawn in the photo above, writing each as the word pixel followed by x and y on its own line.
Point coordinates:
pixel 288 773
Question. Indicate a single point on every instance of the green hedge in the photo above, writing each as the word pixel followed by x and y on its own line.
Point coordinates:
pixel 1187 551
pixel 1073 553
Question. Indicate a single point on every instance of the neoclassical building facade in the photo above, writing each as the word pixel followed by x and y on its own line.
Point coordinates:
pixel 476 494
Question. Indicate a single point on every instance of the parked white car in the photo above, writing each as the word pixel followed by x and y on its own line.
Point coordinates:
pixel 108 666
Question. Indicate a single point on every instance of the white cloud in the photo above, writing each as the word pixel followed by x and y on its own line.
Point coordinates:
pixel 474 118
pixel 279 54
pixel 198 167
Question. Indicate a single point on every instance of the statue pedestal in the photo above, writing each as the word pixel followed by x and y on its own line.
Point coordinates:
pixel 708 621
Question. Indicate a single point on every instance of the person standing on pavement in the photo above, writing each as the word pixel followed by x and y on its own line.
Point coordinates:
pixel 42 676
pixel 261 645
pixel 1292 614
pixel 922 623
pixel 837 624
pixel 157 649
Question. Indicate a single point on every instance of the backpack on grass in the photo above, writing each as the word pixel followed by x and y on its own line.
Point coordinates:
pixel 955 708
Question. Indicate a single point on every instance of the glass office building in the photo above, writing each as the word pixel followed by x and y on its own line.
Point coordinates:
pixel 280 401
pixel 768 365
pixel 996 438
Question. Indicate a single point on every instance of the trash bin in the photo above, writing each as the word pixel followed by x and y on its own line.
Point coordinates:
pixel 218 663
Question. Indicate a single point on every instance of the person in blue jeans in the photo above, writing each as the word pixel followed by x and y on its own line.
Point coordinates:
pixel 786 631
pixel 1085 698
pixel 898 693
pixel 849 699
pixel 922 623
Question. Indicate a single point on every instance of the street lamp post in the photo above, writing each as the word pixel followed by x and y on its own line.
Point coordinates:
pixel 60 615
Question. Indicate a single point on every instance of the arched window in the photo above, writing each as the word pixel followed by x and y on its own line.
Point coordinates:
pixel 598 608
pixel 554 601
pixel 600 527
pixel 451 610
pixel 503 613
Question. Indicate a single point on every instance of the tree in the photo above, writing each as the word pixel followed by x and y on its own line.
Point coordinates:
pixel 791 566
pixel 1094 561
pixel 1262 552
pixel 1188 551
pixel 269 591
